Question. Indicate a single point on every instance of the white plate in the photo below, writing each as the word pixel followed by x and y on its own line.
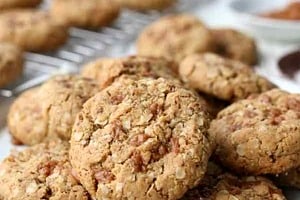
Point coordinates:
pixel 247 13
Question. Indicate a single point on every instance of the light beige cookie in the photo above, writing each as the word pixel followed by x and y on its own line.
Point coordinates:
pixel 222 78
pixel 235 45
pixel 175 37
pixel 40 172
pixel 87 14
pixel 11 63
pixel 31 30
pixel 50 110
pixel 141 139
pixel 107 70
pixel 260 135
pixel 229 187
pixel 7 4
pixel 146 4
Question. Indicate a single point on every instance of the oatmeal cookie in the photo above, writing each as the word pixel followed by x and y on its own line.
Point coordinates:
pixel 31 30
pixel 11 63
pixel 49 111
pixel 146 4
pixel 235 45
pixel 107 70
pixel 86 14
pixel 7 4
pixel 229 187
pixel 147 134
pixel 175 37
pixel 40 172
pixel 223 78
pixel 259 135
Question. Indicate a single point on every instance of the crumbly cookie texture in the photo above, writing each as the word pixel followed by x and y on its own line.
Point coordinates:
pixel 7 4
pixel 32 30
pixel 146 4
pixel 143 139
pixel 235 45
pixel 222 78
pixel 86 14
pixel 290 178
pixel 11 63
pixel 259 135
pixel 229 187
pixel 49 111
pixel 175 37
pixel 40 172
pixel 107 70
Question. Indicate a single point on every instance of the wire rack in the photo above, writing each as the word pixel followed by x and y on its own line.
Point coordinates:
pixel 84 45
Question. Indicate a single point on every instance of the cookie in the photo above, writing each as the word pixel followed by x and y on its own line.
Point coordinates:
pixel 237 188
pixel 290 178
pixel 174 37
pixel 148 134
pixel 235 45
pixel 222 78
pixel 259 135
pixel 31 30
pixel 86 14
pixel 7 4
pixel 40 172
pixel 107 70
pixel 11 63
pixel 146 4
pixel 49 111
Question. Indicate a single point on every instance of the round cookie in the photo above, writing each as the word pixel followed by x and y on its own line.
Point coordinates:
pixel 220 77
pixel 174 37
pixel 290 178
pixel 229 187
pixel 11 63
pixel 31 30
pixel 107 70
pixel 259 135
pixel 7 4
pixel 49 111
pixel 147 134
pixel 86 14
pixel 40 172
pixel 235 45
pixel 146 4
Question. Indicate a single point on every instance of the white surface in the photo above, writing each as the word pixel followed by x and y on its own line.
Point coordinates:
pixel 247 12
pixel 216 14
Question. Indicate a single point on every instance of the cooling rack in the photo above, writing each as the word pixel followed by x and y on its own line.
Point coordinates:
pixel 84 45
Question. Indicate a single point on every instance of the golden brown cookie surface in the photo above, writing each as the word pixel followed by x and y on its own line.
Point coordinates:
pixel 7 4
pixel 50 110
pixel 87 14
pixel 147 134
pixel 222 78
pixel 260 135
pixel 175 37
pixel 235 45
pixel 31 30
pixel 11 63
pixel 146 4
pixel 40 172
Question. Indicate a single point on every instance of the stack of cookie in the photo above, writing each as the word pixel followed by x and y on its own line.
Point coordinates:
pixel 187 124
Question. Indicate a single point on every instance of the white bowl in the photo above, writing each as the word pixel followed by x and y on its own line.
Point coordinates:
pixel 247 13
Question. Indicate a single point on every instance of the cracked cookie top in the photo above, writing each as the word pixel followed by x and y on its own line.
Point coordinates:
pixel 229 187
pixel 144 139
pixel 223 78
pixel 107 70
pixel 50 110
pixel 40 172
pixel 259 135
pixel 174 37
